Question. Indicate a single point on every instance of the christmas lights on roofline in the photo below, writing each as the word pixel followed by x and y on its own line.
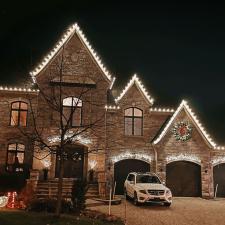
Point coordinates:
pixel 71 30
pixel 161 110
pixel 185 105
pixel 111 107
pixel 18 89
pixel 135 80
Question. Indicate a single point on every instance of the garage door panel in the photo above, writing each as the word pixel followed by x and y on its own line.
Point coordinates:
pixel 184 178
pixel 123 167
pixel 219 179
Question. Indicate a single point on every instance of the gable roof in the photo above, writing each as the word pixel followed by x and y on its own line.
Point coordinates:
pixel 135 80
pixel 184 105
pixel 67 35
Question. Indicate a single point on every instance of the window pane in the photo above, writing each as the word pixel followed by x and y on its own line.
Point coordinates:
pixel 23 106
pixel 137 112
pixel 14 118
pixel 77 117
pixel 77 102
pixel 128 126
pixel 66 114
pixel 15 105
pixel 11 157
pixel 12 147
pixel 137 126
pixel 23 118
pixel 20 156
pixel 67 101
pixel 20 147
pixel 129 112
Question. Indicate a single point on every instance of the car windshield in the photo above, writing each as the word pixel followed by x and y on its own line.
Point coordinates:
pixel 147 179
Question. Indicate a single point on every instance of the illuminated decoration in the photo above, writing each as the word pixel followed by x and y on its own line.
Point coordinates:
pixel 161 110
pixel 18 89
pixel 3 201
pixel 76 138
pixel 11 199
pixel 46 162
pixel 219 148
pixel 183 157
pixel 135 80
pixel 92 164
pixel 111 107
pixel 182 131
pixel 218 160
pixel 129 155
pixel 184 105
pixel 67 35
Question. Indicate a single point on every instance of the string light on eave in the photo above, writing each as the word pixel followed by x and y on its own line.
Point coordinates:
pixel 185 105
pixel 73 29
pixel 161 110
pixel 18 89
pixel 136 80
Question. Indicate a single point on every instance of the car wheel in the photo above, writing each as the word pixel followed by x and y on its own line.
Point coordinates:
pixel 136 199
pixel 167 204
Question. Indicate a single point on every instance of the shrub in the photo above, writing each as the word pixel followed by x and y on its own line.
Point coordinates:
pixel 49 205
pixel 12 182
pixel 78 195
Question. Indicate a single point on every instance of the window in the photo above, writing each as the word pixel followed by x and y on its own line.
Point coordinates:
pixel 18 114
pixel 15 155
pixel 72 111
pixel 133 120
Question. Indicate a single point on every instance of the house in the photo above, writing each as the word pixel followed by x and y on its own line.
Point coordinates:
pixel 128 132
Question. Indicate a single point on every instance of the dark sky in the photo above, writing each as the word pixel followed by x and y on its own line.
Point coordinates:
pixel 177 50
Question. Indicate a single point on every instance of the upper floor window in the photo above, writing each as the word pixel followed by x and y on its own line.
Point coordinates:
pixel 18 114
pixel 133 119
pixel 72 111
pixel 15 155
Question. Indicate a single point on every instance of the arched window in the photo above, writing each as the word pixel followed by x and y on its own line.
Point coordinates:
pixel 15 155
pixel 72 111
pixel 133 120
pixel 19 114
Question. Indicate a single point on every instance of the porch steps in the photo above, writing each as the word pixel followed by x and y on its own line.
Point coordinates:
pixel 92 191
pixel 49 189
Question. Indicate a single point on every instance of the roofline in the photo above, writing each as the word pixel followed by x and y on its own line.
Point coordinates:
pixel 135 80
pixel 67 35
pixel 184 105
pixel 19 89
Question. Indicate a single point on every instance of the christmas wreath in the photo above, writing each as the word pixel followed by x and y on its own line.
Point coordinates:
pixel 182 131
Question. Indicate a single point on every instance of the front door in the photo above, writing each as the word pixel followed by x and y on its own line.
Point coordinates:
pixel 73 163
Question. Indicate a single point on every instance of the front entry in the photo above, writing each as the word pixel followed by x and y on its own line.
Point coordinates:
pixel 73 163
pixel 123 167
pixel 184 178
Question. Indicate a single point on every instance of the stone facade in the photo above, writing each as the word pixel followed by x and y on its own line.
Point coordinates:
pixel 106 142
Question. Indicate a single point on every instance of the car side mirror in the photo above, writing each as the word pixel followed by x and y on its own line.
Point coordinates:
pixel 164 183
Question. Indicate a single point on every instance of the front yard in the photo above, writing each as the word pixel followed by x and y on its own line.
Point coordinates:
pixel 10 217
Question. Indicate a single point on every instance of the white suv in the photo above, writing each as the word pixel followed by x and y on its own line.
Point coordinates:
pixel 146 187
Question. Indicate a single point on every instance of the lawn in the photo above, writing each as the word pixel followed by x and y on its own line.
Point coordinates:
pixel 29 218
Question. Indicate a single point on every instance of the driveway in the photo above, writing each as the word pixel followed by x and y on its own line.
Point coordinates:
pixel 183 211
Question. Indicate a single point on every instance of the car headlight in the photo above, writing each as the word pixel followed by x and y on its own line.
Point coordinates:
pixel 168 192
pixel 143 191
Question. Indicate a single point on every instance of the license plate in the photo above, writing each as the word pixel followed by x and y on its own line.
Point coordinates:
pixel 157 199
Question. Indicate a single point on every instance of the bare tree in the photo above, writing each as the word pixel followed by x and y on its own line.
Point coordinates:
pixel 47 110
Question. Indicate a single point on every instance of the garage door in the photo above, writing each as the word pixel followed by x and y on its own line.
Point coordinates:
pixel 184 178
pixel 219 179
pixel 123 167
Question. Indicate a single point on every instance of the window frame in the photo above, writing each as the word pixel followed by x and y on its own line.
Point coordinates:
pixel 133 118
pixel 15 152
pixel 19 110
pixel 71 108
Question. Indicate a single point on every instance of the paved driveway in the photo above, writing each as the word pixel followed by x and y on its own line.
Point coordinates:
pixel 183 211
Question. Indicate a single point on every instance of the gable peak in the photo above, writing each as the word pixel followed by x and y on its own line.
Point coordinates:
pixel 135 80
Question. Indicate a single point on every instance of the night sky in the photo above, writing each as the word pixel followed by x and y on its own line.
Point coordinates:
pixel 177 50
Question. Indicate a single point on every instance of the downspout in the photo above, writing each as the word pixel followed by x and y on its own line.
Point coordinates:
pixel 156 158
